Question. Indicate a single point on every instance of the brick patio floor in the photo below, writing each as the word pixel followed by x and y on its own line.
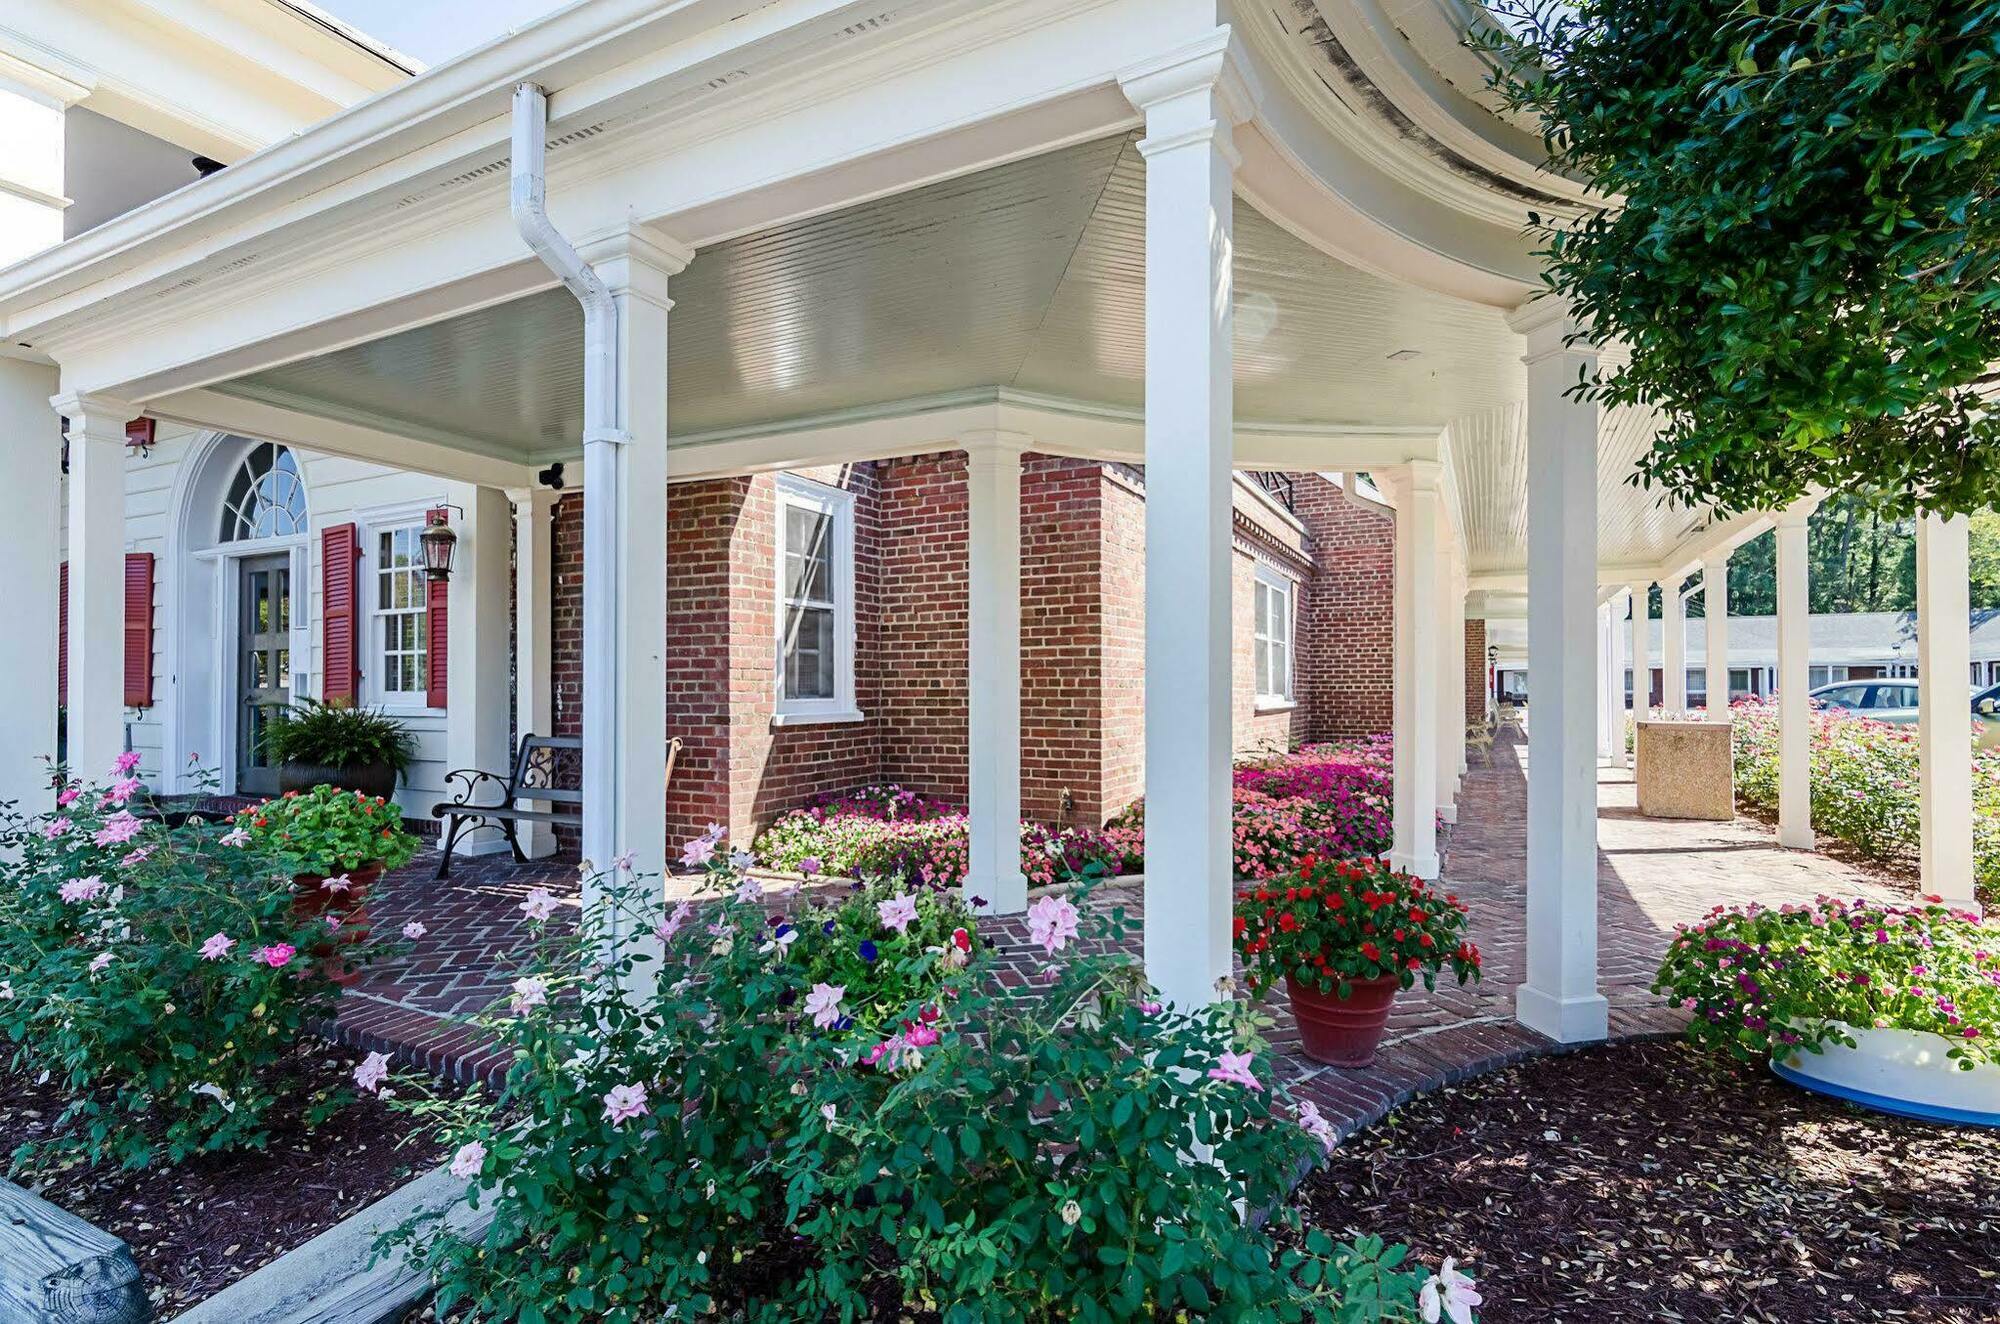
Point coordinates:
pixel 1652 874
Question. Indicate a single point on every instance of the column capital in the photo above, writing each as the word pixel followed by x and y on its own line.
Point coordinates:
pixel 1715 562
pixel 1795 515
pixel 1198 93
pixel 994 446
pixel 636 259
pixel 1550 325
pixel 93 415
pixel 535 498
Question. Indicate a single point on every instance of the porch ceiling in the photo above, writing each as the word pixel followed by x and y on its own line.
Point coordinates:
pixel 1028 276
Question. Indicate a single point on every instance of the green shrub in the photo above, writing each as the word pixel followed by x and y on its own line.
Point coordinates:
pixel 704 1144
pixel 338 736
pixel 327 830
pixel 160 977
pixel 1762 981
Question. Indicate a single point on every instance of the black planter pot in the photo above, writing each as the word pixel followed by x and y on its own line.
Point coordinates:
pixel 368 778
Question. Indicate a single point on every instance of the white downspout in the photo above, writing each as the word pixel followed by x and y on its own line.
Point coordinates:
pixel 602 437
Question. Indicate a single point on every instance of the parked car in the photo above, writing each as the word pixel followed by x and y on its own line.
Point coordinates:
pixel 1895 701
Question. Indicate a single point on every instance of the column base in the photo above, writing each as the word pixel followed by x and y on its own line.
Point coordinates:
pixel 1448 813
pixel 1004 894
pixel 1424 866
pixel 1580 1020
pixel 1793 837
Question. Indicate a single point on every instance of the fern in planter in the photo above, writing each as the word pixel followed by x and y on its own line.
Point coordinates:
pixel 318 744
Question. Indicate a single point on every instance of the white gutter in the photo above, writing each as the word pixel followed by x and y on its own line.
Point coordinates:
pixel 602 438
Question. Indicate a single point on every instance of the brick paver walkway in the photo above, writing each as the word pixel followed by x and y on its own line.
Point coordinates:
pixel 1652 875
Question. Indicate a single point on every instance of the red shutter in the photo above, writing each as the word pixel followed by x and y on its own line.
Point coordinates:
pixel 62 638
pixel 340 613
pixel 437 625
pixel 138 629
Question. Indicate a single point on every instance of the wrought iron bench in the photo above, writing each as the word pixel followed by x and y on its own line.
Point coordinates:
pixel 547 769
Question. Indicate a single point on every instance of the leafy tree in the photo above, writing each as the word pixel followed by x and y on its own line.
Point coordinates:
pixel 1803 257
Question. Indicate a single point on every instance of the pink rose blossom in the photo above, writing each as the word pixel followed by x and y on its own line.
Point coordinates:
pixel 56 828
pixel 98 962
pixel 623 1103
pixel 1052 923
pixel 823 1003
pixel 468 1161
pixel 374 1069
pixel 541 904
pixel 528 992
pixel 1234 1069
pixel 217 946
pixel 81 889
pixel 898 912
pixel 126 764
pixel 414 930
pixel 278 955
pixel 118 829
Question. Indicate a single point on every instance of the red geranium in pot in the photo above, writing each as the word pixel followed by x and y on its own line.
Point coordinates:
pixel 338 842
pixel 1346 936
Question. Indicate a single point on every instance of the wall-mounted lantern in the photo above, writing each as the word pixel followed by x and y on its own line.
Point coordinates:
pixel 438 542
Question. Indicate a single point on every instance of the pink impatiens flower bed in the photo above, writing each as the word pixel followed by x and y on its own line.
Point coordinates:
pixel 1328 800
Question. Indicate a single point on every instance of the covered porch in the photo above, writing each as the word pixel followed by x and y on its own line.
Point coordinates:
pixel 1129 232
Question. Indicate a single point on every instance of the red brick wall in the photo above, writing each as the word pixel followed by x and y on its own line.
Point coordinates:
pixel 1083 638
pixel 921 709
pixel 1475 671
pixel 1346 645
pixel 1062 610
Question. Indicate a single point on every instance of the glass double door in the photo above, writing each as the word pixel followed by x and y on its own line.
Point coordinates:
pixel 264 664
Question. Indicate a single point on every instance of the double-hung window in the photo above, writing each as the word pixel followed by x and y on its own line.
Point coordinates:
pixel 399 643
pixel 1272 651
pixel 815 602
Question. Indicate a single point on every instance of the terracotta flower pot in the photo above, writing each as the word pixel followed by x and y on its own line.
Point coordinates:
pixel 1343 1032
pixel 313 899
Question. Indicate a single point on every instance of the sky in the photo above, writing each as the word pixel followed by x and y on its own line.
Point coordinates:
pixel 435 30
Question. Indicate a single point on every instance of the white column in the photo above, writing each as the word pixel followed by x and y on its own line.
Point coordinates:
pixel 1641 653
pixel 993 669
pixel 476 680
pixel 96 710
pixel 1715 620
pixel 1606 717
pixel 1450 684
pixel 1559 997
pixel 1190 103
pixel 624 571
pixel 31 550
pixel 1794 680
pixel 1614 679
pixel 1673 648
pixel 1460 684
pixel 1417 626
pixel 1944 663
pixel 534 666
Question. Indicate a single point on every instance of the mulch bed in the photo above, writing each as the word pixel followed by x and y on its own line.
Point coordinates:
pixel 1649 1182
pixel 198 1227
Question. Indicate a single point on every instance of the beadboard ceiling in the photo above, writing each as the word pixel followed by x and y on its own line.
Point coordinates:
pixel 1028 276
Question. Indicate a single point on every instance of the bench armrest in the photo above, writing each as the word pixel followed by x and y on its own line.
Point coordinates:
pixel 469 781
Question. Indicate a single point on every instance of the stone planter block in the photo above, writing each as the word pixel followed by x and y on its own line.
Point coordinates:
pixel 1686 769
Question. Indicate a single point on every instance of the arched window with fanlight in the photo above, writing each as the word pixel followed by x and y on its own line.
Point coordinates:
pixel 266 497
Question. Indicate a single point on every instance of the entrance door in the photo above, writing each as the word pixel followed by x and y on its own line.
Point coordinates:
pixel 264 672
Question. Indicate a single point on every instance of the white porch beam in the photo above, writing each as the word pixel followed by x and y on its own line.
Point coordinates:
pixel 993 671
pixel 1944 661
pixel 534 632
pixel 96 709
pixel 476 713
pixel 1190 103
pixel 1715 619
pixel 1560 997
pixel 330 436
pixel 1673 648
pixel 30 549
pixel 1417 626
pixel 1794 679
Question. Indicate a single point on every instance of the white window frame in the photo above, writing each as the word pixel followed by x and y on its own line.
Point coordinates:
pixel 838 504
pixel 372 524
pixel 1269 581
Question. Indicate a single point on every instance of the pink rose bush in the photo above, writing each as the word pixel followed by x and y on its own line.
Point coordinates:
pixel 1763 981
pixel 755 1129
pixel 156 978
pixel 1867 785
